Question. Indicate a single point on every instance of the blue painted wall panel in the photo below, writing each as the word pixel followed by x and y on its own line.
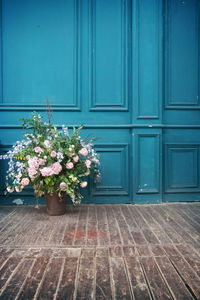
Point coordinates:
pixel 126 69
pixel 39 52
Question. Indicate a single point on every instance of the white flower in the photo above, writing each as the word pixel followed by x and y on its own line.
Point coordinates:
pixel 47 143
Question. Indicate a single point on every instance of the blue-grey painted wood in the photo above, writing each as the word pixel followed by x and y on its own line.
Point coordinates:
pixel 126 69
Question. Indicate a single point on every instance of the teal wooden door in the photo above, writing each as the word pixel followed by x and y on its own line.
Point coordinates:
pixel 128 70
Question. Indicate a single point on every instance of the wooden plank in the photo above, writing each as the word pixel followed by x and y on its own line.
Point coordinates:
pixel 4 254
pixel 121 287
pixel 66 287
pixel 103 283
pixel 171 250
pixel 20 235
pixel 47 230
pixel 143 250
pixel 170 231
pixel 85 280
pixel 135 231
pixel 129 251
pixel 8 269
pixel 194 214
pixel 87 252
pixel 92 228
pixel 148 233
pixel 35 231
pixel 115 251
pixel 70 230
pixel 56 236
pixel 193 234
pixel 190 256
pixel 101 251
pixel 8 220
pixel 138 283
pixel 8 229
pixel 174 282
pixel 187 274
pixel 33 280
pixel 49 284
pixel 5 211
pixel 66 252
pixel 114 234
pixel 102 222
pixel 175 223
pixel 122 225
pixel 156 227
pixel 81 231
pixel 158 287
pixel 189 220
pixel 14 284
pixel 157 250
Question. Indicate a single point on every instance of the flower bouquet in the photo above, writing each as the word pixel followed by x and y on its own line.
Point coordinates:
pixel 51 160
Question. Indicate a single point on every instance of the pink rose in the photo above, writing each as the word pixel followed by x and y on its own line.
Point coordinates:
pixel 83 152
pixel 83 184
pixel 56 168
pixel 76 158
pixel 88 163
pixel 53 154
pixel 25 181
pixel 41 161
pixel 33 163
pixel 10 190
pixel 69 165
pixel 32 172
pixel 38 150
pixel 71 154
pixel 46 171
pixel 63 185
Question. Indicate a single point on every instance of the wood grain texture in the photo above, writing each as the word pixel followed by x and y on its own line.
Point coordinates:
pixel 101 252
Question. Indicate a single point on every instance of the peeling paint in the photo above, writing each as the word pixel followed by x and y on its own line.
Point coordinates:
pixel 18 201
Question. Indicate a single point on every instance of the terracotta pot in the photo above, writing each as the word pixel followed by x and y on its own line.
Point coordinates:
pixel 56 205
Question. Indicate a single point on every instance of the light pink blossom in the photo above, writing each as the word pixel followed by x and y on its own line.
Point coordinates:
pixel 69 165
pixel 53 154
pixel 63 185
pixel 38 150
pixel 46 171
pixel 33 163
pixel 32 172
pixel 28 157
pixel 56 168
pixel 10 190
pixel 88 163
pixel 25 181
pixel 83 152
pixel 83 184
pixel 71 154
pixel 76 158
pixel 41 161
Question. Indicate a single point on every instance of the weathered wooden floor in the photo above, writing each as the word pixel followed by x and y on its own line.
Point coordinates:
pixel 101 252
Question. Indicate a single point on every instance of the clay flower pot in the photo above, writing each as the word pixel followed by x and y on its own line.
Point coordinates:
pixel 56 205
